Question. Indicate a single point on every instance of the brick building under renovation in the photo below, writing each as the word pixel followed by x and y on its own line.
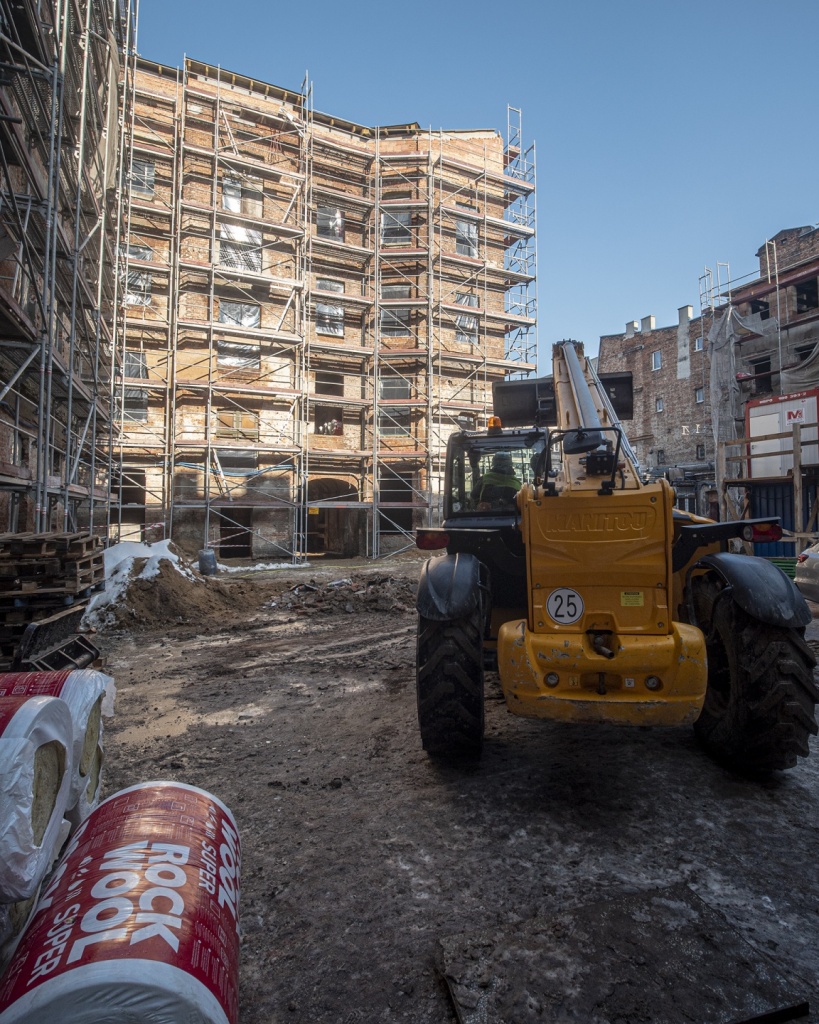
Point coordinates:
pixel 310 307
pixel 61 89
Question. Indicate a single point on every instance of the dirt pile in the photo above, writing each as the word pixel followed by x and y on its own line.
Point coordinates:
pixel 169 596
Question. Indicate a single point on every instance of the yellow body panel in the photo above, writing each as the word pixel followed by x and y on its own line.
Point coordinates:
pixel 678 659
pixel 600 566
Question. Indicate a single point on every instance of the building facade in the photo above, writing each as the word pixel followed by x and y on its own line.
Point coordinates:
pixel 671 430
pixel 60 201
pixel 309 308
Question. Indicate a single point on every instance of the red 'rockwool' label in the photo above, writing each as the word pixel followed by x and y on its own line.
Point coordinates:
pixel 152 874
pixel 33 684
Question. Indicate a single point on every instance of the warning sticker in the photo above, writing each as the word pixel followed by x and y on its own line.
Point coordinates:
pixel 632 599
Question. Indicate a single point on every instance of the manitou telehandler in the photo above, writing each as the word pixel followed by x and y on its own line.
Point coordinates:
pixel 600 600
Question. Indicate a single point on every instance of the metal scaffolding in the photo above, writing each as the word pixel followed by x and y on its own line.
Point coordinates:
pixel 311 307
pixel 62 86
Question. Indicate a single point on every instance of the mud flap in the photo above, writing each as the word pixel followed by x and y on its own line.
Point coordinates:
pixel 760 589
pixel 450 587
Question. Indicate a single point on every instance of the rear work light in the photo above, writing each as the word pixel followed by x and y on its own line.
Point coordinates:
pixel 766 533
pixel 431 540
pixel 802 558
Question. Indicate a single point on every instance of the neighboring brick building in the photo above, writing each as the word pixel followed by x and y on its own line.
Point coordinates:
pixel 786 294
pixel 311 307
pixel 671 430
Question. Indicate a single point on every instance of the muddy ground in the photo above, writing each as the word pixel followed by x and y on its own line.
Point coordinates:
pixel 296 707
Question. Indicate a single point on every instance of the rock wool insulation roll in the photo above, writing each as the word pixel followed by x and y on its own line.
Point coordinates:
pixel 140 919
pixel 89 695
pixel 36 742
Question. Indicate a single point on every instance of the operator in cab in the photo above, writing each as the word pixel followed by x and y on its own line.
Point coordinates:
pixel 499 485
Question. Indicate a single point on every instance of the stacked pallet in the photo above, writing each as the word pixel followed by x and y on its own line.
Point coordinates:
pixel 42 574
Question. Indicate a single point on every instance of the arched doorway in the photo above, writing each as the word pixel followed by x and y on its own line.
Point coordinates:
pixel 332 529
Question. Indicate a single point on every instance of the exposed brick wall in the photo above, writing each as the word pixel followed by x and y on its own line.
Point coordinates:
pixel 681 430
pixel 793 245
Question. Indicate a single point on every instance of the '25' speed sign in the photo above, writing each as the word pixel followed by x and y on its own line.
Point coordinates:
pixel 564 605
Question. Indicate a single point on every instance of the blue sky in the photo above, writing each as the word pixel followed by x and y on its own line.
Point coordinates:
pixel 670 134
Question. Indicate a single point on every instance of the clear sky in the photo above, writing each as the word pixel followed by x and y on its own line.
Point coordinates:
pixel 670 134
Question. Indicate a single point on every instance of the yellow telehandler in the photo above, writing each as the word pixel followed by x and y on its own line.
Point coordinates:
pixel 599 600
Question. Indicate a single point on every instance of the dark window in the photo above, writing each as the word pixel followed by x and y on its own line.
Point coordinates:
pixel 330 223
pixel 700 451
pixel 394 489
pixel 466 421
pixel 329 420
pixel 807 295
pixel 761 369
pixel 661 456
pixel 394 420
pixel 240 459
pixel 761 307
pixel 804 352
pixel 328 383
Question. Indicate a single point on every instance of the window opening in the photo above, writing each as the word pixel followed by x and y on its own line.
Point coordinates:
pixel 807 295
pixel 329 284
pixel 658 405
pixel 330 223
pixel 143 176
pixel 761 369
pixel 235 424
pixel 240 314
pixel 135 400
pixel 240 248
pixel 329 319
pixel 238 356
pixel 138 288
pixel 656 360
pixel 329 420
pixel 329 383
pixel 466 326
pixel 699 395
pixel 466 238
pixel 396 227
pixel 243 196
pixel 394 421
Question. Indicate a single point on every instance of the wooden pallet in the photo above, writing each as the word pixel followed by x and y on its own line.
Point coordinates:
pixel 18 545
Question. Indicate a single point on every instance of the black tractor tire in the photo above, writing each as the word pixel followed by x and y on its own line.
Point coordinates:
pixel 759 710
pixel 449 685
